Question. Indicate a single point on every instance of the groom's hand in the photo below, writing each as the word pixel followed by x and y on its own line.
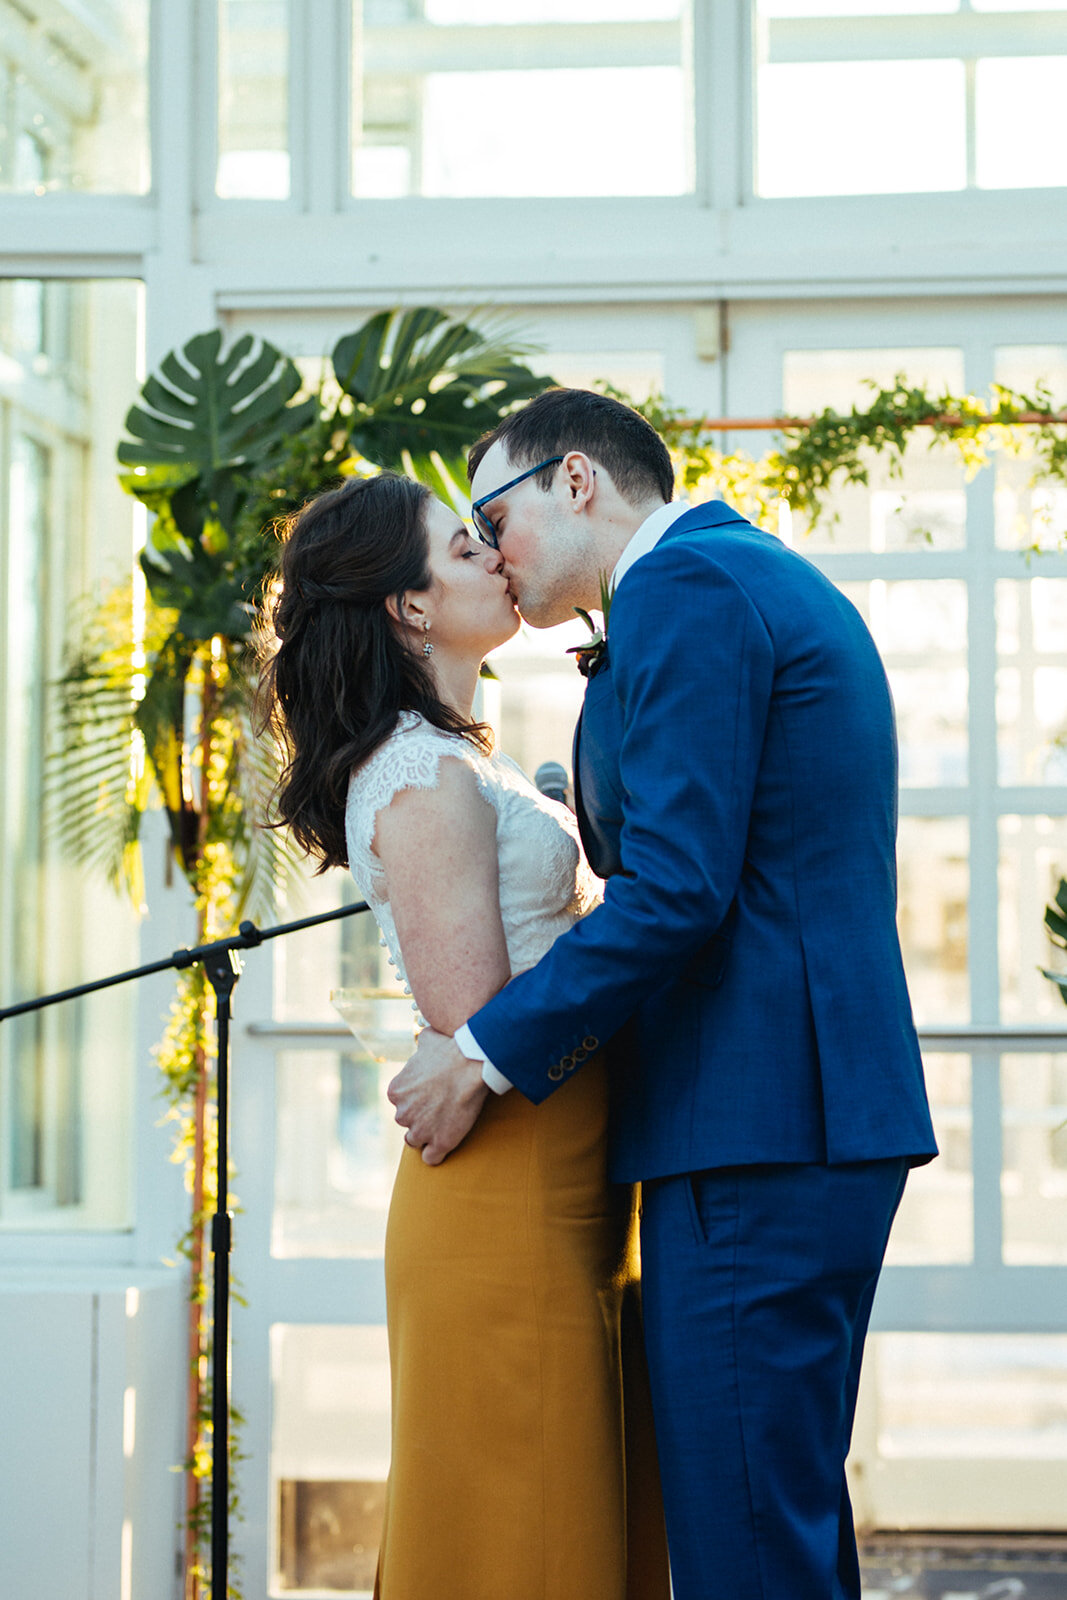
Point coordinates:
pixel 438 1096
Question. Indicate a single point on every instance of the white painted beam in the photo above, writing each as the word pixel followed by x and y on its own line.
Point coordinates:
pixel 966 35
pixel 415 48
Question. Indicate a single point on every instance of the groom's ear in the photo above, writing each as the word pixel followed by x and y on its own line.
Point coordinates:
pixel 579 476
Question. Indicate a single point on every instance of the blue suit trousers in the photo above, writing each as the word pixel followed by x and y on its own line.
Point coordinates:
pixel 757 1284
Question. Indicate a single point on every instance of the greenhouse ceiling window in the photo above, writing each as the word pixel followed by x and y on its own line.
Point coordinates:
pixel 73 96
pixel 909 96
pixel 596 95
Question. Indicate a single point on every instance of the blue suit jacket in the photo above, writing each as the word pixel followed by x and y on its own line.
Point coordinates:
pixel 736 767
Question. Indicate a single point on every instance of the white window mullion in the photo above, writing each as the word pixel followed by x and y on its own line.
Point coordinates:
pixel 982 719
pixel 179 130
pixel 722 101
pixel 320 41
pixel 984 854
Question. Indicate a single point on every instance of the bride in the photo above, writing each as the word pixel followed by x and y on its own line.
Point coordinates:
pixel 523 1462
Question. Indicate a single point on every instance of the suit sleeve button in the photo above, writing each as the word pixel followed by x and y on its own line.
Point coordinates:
pixel 568 1063
pixel 590 1042
pixel 555 1073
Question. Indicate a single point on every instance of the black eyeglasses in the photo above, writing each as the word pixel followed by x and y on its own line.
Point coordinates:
pixel 482 525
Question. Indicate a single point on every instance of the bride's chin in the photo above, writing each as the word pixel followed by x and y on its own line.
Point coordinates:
pixel 512 627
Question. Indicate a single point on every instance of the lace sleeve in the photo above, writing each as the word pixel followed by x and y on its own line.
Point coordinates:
pixel 409 759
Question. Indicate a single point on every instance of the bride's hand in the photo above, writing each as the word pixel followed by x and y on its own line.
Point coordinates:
pixel 438 1096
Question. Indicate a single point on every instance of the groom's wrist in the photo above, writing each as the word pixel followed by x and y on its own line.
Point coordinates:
pixel 469 1046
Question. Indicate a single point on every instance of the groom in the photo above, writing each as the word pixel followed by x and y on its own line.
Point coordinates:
pixel 735 774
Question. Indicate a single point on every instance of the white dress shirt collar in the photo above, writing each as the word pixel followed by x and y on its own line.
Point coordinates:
pixel 647 538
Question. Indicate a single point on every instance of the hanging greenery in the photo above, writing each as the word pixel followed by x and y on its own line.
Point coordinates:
pixel 813 456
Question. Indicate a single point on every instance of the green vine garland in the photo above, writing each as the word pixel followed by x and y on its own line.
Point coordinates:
pixel 812 458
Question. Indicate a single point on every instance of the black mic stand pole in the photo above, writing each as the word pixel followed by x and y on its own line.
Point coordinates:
pixel 222 966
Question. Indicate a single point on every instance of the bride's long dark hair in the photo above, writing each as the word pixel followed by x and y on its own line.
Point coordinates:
pixel 338 672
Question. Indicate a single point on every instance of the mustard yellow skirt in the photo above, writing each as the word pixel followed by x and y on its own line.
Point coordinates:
pixel 523 1457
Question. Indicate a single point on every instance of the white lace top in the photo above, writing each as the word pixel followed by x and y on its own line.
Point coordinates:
pixel 545 883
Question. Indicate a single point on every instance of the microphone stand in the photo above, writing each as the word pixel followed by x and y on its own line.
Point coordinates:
pixel 222 966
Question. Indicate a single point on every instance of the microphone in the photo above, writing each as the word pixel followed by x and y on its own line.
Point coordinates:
pixel 551 779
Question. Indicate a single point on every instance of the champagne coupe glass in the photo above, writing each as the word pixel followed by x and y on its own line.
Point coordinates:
pixel 381 1021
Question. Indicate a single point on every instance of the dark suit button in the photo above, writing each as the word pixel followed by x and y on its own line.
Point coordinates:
pixel 591 1043
pixel 580 1054
pixel 555 1073
pixel 568 1063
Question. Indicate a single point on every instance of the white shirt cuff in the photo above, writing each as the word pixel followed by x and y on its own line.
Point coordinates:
pixel 473 1051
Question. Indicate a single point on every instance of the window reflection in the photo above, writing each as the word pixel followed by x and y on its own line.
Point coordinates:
pixel 972 1395
pixel 329 1456
pixel 1034 1179
pixel 935 1222
pixel 429 81
pixel 64 524
pixel 922 509
pixel 920 629
pixel 1032 680
pixel 253 100
pixel 1018 105
pixel 1028 513
pixel 934 887
pixel 73 87
pixel 827 97
pixel 991 102
pixel 1033 858
pixel 336 1151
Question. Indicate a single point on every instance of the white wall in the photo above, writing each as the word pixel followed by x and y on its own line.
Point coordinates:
pixel 90 1411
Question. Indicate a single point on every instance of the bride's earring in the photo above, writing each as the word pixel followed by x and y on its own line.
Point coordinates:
pixel 427 647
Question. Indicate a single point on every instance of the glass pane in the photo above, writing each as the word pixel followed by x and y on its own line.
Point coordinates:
pixel 934 886
pixel 1029 514
pixel 490 11
pixel 853 8
pixel 24 686
pixel 74 96
pixel 1032 680
pixel 329 1456
pixel 638 373
pixel 1018 116
pixel 1033 859
pixel 69 355
pixel 857 136
pixel 935 1223
pixel 334 955
pixel 1034 1179
pixel 337 1147
pixel 926 507
pixel 428 86
pixel 971 1396
pixel 534 707
pixel 253 100
pixel 920 629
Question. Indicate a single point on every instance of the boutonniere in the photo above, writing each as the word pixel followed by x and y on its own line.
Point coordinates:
pixel 592 654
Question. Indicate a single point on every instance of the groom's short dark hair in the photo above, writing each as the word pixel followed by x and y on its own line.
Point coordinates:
pixel 616 436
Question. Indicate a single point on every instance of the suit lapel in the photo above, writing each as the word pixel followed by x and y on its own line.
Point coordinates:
pixel 712 514
pixel 576 770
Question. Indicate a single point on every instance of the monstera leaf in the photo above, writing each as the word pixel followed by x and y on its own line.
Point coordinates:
pixel 209 423
pixel 424 387
pixel 211 414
